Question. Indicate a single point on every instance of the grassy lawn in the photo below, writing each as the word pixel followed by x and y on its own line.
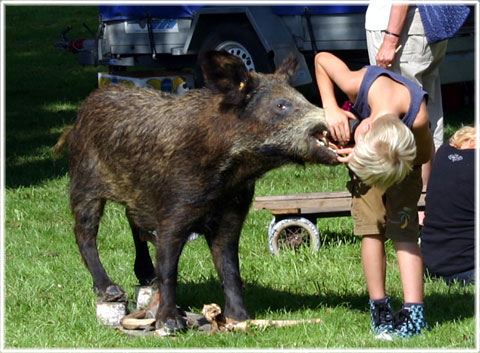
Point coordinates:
pixel 48 297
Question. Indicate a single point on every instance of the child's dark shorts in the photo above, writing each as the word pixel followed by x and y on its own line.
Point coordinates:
pixel 393 213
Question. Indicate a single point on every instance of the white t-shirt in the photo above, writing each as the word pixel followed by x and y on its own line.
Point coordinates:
pixel 378 15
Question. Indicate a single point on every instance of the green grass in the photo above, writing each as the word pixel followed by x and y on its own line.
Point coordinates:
pixel 49 302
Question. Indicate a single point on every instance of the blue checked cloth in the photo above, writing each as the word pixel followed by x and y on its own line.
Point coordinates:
pixel 442 21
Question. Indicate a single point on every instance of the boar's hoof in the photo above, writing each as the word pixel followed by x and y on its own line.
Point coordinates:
pixel 238 316
pixel 171 325
pixel 113 293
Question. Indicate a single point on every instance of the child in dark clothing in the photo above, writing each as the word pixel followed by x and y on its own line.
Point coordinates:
pixel 448 235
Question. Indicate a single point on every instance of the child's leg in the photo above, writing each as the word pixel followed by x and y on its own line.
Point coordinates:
pixel 410 320
pixel 374 268
pixel 368 212
pixel 374 265
pixel 410 264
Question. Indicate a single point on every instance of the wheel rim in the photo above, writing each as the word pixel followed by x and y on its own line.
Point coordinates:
pixel 294 238
pixel 293 233
pixel 239 51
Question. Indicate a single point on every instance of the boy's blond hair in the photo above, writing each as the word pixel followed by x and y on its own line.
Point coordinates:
pixel 462 135
pixel 384 155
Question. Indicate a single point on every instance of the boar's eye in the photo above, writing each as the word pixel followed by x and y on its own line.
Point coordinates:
pixel 282 105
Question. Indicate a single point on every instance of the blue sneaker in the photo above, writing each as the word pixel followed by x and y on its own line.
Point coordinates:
pixel 410 321
pixel 381 319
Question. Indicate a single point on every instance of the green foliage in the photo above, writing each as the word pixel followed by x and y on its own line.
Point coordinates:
pixel 49 302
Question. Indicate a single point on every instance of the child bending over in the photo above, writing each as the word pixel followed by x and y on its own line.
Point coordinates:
pixel 391 143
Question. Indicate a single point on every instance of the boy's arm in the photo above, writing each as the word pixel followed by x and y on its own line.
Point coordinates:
pixel 423 136
pixel 330 71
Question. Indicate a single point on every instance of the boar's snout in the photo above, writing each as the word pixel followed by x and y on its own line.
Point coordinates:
pixel 304 138
pixel 317 131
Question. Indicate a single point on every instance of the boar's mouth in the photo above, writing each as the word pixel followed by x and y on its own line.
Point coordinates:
pixel 321 140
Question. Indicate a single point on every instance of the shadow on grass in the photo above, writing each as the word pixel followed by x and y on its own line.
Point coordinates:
pixel 260 299
pixel 29 145
pixel 35 173
pixel 453 306
pixel 440 307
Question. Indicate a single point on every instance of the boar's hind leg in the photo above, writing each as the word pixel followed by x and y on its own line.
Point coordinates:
pixel 143 266
pixel 87 218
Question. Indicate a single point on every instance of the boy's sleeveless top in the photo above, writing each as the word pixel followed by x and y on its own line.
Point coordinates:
pixel 417 94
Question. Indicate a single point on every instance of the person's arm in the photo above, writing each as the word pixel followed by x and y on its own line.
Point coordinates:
pixel 330 71
pixel 423 136
pixel 386 52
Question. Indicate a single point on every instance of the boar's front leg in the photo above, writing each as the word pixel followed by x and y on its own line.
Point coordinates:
pixel 223 243
pixel 170 242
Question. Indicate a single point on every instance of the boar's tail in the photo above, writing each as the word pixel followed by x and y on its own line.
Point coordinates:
pixel 61 142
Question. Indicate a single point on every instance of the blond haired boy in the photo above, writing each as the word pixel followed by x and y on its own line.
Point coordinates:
pixel 392 141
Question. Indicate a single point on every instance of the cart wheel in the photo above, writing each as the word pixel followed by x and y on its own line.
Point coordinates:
pixel 270 227
pixel 293 233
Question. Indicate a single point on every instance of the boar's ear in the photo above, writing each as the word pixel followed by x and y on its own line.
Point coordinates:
pixel 288 68
pixel 226 73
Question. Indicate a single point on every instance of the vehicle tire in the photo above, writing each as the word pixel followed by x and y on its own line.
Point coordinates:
pixel 293 233
pixel 240 40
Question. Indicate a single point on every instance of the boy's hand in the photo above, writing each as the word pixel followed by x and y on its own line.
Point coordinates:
pixel 338 124
pixel 345 154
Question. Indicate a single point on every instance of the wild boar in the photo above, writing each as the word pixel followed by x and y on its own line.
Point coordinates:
pixel 183 164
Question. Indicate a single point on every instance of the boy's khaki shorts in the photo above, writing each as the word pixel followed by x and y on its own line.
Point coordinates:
pixel 393 213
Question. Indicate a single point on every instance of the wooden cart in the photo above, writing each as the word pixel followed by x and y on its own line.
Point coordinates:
pixel 295 216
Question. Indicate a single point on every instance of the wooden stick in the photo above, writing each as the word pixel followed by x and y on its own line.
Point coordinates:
pixel 269 323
